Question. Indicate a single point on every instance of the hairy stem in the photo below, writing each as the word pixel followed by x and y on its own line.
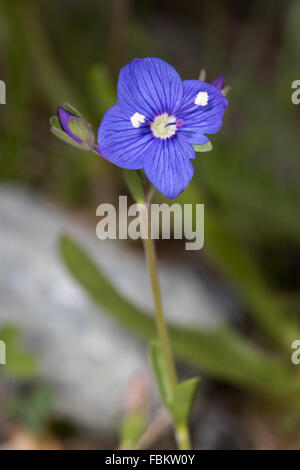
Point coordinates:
pixel 182 433
pixel 183 438
pixel 159 315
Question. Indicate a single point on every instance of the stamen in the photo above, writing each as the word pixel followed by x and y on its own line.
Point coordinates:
pixel 137 119
pixel 202 98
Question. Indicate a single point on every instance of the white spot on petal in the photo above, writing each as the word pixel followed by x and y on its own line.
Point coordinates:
pixel 202 98
pixel 137 119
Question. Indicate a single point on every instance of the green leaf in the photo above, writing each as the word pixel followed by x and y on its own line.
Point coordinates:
pixel 19 363
pixel 184 395
pixel 97 285
pixel 135 185
pixel 178 400
pixel 66 138
pixel 132 429
pixel 159 367
pixel 9 334
pixel 222 351
pixel 204 147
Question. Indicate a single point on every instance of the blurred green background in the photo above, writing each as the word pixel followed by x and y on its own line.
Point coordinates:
pixel 72 50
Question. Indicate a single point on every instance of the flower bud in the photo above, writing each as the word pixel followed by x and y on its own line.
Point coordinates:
pixel 219 82
pixel 70 126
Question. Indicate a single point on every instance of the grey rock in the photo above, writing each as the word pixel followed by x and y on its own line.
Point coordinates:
pixel 82 352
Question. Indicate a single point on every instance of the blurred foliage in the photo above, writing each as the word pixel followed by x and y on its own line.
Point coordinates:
pixel 132 429
pixel 20 364
pixel 222 352
pixel 33 409
pixel 52 52
pixel 24 400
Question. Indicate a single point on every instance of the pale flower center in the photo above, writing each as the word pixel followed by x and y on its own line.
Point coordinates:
pixel 164 126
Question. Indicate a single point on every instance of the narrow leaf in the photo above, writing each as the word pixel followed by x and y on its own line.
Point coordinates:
pixel 183 400
pixel 222 351
pixel 132 429
pixel 161 373
pixel 135 185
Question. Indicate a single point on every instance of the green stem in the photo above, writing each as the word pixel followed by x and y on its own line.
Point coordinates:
pixel 183 438
pixel 159 315
pixel 181 433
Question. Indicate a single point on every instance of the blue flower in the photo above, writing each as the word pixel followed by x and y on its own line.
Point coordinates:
pixel 156 122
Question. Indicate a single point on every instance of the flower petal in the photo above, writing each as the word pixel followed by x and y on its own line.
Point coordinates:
pixel 149 86
pixel 120 142
pixel 200 119
pixel 64 117
pixel 168 167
